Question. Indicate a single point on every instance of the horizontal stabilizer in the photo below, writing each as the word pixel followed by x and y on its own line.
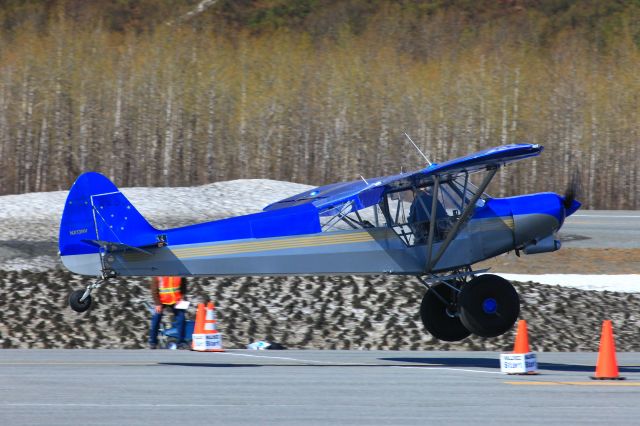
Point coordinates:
pixel 113 247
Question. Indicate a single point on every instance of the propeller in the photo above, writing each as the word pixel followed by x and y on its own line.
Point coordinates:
pixel 571 193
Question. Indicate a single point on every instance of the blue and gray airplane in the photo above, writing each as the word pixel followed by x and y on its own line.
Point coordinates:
pixel 433 223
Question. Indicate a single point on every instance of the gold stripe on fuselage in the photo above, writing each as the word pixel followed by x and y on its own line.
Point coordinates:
pixel 508 221
pixel 268 245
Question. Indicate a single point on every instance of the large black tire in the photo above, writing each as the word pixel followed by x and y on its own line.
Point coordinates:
pixel 489 305
pixel 75 304
pixel 435 317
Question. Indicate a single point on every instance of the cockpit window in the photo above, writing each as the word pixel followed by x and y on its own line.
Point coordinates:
pixel 410 212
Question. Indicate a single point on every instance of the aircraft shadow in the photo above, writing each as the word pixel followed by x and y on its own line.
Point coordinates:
pixel 495 364
pixel 448 362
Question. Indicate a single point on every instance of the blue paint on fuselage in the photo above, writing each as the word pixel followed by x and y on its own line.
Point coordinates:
pixel 96 210
pixel 297 220
pixel 545 203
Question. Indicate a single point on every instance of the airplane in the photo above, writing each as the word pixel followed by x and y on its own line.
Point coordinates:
pixel 433 223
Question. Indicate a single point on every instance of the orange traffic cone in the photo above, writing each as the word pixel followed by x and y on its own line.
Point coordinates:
pixel 199 325
pixel 206 337
pixel 607 365
pixel 522 339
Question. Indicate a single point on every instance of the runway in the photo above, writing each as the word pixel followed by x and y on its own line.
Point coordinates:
pixel 602 229
pixel 293 387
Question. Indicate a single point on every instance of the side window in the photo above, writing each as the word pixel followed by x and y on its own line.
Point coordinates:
pixel 414 213
pixel 345 217
pixel 409 214
pixel 398 206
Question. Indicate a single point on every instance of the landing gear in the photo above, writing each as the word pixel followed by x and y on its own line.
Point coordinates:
pixel 453 308
pixel 439 315
pixel 80 300
pixel 489 305
pixel 77 303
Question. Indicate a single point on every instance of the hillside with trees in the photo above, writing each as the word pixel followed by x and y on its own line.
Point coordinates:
pixel 166 93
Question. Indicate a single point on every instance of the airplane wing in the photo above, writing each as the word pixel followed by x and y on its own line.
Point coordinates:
pixel 364 194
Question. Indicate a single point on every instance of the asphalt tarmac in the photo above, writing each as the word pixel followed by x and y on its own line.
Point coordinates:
pixel 293 387
pixel 602 229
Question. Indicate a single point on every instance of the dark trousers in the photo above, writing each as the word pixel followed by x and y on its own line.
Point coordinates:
pixel 156 320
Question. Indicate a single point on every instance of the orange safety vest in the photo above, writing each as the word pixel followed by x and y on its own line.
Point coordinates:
pixel 169 288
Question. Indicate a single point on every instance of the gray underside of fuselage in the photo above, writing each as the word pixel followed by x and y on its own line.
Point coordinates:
pixel 532 227
pixel 370 251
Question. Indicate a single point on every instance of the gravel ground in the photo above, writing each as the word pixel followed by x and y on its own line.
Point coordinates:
pixel 316 312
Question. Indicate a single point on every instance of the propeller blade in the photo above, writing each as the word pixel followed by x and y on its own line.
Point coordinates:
pixel 573 190
pixel 571 193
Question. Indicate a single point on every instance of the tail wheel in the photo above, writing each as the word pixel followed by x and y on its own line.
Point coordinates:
pixel 76 304
pixel 489 305
pixel 438 317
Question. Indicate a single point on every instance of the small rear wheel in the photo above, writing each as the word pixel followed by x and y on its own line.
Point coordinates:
pixel 439 317
pixel 489 305
pixel 76 304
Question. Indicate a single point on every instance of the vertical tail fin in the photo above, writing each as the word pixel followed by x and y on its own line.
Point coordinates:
pixel 95 210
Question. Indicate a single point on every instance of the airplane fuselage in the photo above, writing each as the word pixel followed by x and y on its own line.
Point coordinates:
pixel 496 226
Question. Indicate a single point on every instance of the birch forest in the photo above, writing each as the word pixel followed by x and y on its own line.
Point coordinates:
pixel 187 93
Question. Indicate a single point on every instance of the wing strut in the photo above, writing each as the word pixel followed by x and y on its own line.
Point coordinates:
pixel 432 219
pixel 465 215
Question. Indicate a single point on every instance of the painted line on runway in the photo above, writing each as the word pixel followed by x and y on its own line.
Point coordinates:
pixel 90 404
pixel 593 223
pixel 284 358
pixel 437 367
pixel 74 363
pixel 591 383
pixel 584 222
pixel 604 215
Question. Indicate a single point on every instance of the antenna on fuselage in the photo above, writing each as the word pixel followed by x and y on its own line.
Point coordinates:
pixel 416 147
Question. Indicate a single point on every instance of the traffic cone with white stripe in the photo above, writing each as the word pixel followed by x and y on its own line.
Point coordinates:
pixel 207 338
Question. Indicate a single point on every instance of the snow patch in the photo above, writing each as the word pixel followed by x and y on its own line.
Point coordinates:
pixel 36 216
pixel 622 283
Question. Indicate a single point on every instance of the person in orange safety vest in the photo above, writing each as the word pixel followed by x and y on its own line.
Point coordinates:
pixel 167 292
